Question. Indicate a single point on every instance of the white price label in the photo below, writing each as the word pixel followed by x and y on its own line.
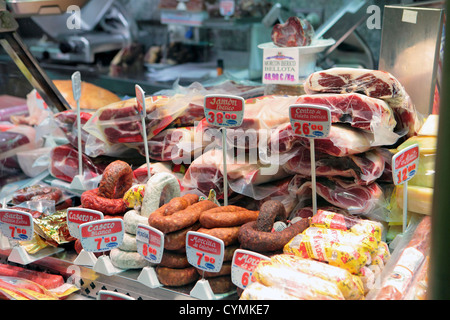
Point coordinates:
pixel 280 66
pixel 310 121
pixel 16 225
pixel 78 216
pixel 405 164
pixel 102 235
pixel 204 252
pixel 243 264
pixel 150 243
pixel 224 110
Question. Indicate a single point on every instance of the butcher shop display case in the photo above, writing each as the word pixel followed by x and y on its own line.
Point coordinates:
pixel 226 189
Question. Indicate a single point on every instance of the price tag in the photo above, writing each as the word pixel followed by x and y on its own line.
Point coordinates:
pixel 150 243
pixel 78 216
pixel 224 110
pixel 226 7
pixel 405 164
pixel 280 66
pixel 243 264
pixel 16 225
pixel 310 121
pixel 140 99
pixel 102 235
pixel 111 295
pixel 204 252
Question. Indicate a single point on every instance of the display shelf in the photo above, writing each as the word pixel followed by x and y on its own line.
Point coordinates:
pixel 90 282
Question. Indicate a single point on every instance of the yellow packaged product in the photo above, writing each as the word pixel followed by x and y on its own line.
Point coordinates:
pixel 134 196
pixel 350 285
pixel 333 220
pixel 351 257
pixel 298 284
pixel 258 291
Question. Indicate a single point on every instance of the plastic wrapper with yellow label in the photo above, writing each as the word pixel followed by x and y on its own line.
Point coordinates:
pixel 134 196
pixel 298 284
pixel 349 256
pixel 258 291
pixel 350 285
pixel 333 220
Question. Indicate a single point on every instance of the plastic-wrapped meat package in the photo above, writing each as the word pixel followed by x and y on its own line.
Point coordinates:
pixel 12 106
pixel 295 32
pixel 16 138
pixel 244 174
pixel 67 121
pixel 140 174
pixel 359 111
pixel 355 198
pixel 364 168
pixel 173 144
pixel 64 164
pixel 343 140
pixel 261 114
pixel 373 83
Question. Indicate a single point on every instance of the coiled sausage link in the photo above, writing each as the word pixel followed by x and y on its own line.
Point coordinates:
pixel 117 179
pixel 257 235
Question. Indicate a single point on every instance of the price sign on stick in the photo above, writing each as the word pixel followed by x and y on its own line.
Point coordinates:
pixel 204 252
pixel 224 111
pixel 102 235
pixel 312 122
pixel 150 243
pixel 77 216
pixel 16 225
pixel 243 264
pixel 405 164
pixel 140 99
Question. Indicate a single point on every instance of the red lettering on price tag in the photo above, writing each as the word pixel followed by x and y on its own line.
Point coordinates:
pixel 16 225
pixel 243 264
pixel 224 110
pixel 102 235
pixel 310 121
pixel 77 216
pixel 204 252
pixel 405 164
pixel 150 243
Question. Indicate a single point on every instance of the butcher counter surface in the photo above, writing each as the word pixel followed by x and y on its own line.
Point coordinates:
pixel 90 282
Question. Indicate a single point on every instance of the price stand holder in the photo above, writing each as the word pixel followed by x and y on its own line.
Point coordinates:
pixel 405 164
pixel 76 217
pixel 18 226
pixel 100 236
pixel 78 182
pixel 243 264
pixel 311 122
pixel 112 295
pixel 224 111
pixel 206 253
pixel 140 99
pixel 150 245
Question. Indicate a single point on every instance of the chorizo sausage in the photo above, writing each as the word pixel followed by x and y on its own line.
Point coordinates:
pixel 176 277
pixel 177 240
pixel 116 180
pixel 179 219
pixel 257 235
pixel 174 260
pixel 229 235
pixel 216 218
pixel 91 200
pixel 221 284
pixel 36 193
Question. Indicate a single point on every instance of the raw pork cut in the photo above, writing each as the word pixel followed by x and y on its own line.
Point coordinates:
pixel 295 32
pixel 355 198
pixel 342 141
pixel 206 173
pixel 359 111
pixel 373 83
pixel 64 164
pixel 364 168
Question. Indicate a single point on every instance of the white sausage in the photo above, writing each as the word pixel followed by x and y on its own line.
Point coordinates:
pixel 154 188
